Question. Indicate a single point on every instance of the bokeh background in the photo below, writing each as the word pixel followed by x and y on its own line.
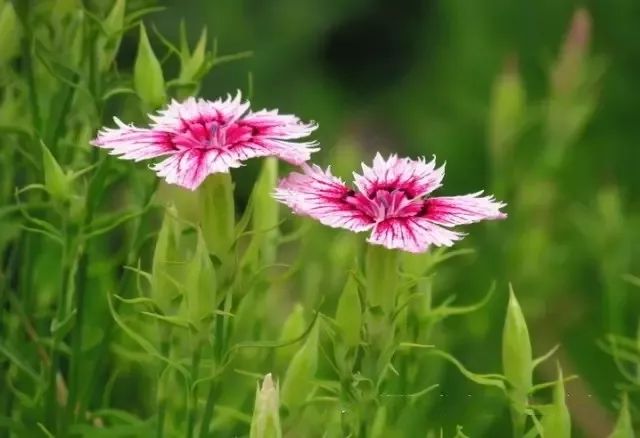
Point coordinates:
pixel 536 102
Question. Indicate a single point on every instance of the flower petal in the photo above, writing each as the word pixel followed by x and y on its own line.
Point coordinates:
pixel 272 131
pixel 412 234
pixel 187 169
pixel 415 177
pixel 466 209
pixel 180 115
pixel 131 143
pixel 322 196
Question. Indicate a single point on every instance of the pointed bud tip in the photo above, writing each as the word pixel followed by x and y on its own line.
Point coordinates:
pixel 579 30
pixel 268 383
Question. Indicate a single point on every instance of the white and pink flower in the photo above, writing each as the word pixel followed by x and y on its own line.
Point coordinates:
pixel 390 199
pixel 201 137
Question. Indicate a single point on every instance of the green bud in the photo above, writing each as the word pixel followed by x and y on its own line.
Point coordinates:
pixel 76 37
pixel 164 266
pixel 200 286
pixel 10 33
pixel 217 213
pixel 264 218
pixel 556 422
pixel 301 371
pixel 114 21
pixel 623 427
pixel 148 78
pixel 517 362
pixel 567 72
pixel 192 63
pixel 293 327
pixel 113 25
pixel 56 182
pixel 245 320
pixel 265 422
pixel 573 92
pixel 507 109
pixel 349 313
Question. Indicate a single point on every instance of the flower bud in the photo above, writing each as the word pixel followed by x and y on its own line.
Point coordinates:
pixel 164 269
pixel 148 78
pixel 349 313
pixel 56 182
pixel 517 361
pixel 263 246
pixel 302 369
pixel 192 63
pixel 113 26
pixel 10 33
pixel 573 90
pixel 507 110
pixel 76 37
pixel 293 327
pixel 623 427
pixel 266 417
pixel 200 286
pixel 567 72
pixel 556 422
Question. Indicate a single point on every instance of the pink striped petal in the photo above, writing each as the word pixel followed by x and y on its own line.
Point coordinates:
pixel 412 234
pixel 190 168
pixel 324 197
pixel 131 143
pixel 180 115
pixel 414 177
pixel 459 210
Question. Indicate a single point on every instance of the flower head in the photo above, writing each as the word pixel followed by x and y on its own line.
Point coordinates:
pixel 391 199
pixel 201 137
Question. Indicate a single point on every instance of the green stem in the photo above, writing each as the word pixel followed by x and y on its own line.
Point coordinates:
pixel 165 334
pixel 28 68
pixel 52 401
pixel 381 290
pixel 193 409
pixel 382 277
pixel 517 421
pixel 73 406
pixel 218 214
pixel 208 409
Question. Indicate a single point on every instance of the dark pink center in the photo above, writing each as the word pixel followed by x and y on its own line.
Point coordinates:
pixel 385 203
pixel 211 134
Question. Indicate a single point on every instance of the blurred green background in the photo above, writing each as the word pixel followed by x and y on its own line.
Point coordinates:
pixel 421 77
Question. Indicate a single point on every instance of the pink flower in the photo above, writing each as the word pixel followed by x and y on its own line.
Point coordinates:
pixel 391 199
pixel 200 137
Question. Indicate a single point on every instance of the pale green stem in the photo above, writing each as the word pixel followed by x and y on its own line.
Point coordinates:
pixel 218 213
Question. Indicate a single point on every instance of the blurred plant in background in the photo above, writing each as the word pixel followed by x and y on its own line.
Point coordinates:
pixel 120 314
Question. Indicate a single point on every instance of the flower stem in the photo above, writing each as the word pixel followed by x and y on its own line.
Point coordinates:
pixel 382 277
pixel 381 289
pixel 208 409
pixel 218 213
pixel 165 346
pixel 193 408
